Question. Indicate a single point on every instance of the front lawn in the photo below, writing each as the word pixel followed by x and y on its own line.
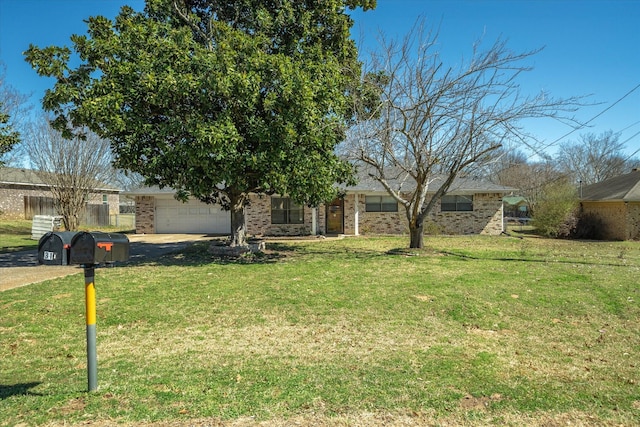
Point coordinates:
pixel 469 331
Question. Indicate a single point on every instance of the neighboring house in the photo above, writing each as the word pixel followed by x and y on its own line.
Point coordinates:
pixel 515 207
pixel 20 187
pixel 616 202
pixel 471 207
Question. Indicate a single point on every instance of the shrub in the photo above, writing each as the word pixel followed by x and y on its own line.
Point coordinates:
pixel 566 228
pixel 555 212
pixel 432 229
pixel 589 226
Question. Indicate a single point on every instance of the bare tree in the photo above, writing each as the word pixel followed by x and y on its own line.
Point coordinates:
pixel 72 168
pixel 499 163
pixel 127 181
pixel 437 121
pixel 533 179
pixel 594 158
pixel 12 113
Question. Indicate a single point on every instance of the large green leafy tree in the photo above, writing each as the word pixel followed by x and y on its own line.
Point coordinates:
pixel 8 136
pixel 217 99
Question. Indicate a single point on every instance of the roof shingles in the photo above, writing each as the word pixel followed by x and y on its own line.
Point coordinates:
pixel 620 188
pixel 29 177
pixel 459 185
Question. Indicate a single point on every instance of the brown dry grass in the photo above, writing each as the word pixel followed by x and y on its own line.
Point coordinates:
pixel 375 419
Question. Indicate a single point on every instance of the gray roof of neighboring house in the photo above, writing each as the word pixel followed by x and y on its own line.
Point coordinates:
pixel 19 176
pixel 620 188
pixel 29 177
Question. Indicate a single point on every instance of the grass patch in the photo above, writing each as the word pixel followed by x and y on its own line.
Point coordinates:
pixel 15 235
pixel 471 330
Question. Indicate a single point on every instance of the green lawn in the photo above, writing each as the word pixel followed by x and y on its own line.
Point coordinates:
pixel 469 331
pixel 15 235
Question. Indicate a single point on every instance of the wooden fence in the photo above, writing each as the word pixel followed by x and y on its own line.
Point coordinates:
pixel 92 214
pixel 35 205
pixel 96 214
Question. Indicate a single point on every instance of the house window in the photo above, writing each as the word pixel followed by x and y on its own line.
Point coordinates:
pixel 381 204
pixel 286 211
pixel 456 203
pixel 105 199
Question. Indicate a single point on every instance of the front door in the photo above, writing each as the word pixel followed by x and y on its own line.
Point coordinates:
pixel 335 217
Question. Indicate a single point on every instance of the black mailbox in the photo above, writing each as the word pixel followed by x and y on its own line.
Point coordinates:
pixel 88 248
pixel 53 248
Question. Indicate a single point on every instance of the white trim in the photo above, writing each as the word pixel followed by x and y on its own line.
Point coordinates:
pixel 356 216
pixel 314 221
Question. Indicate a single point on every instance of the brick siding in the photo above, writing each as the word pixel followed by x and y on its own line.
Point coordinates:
pixel 621 221
pixel 633 220
pixel 258 220
pixel 12 200
pixel 145 215
pixel 486 218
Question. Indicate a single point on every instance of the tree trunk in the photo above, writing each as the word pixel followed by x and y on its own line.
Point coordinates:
pixel 71 222
pixel 417 236
pixel 238 226
pixel 69 217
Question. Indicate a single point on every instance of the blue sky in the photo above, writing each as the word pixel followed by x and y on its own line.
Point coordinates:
pixel 591 47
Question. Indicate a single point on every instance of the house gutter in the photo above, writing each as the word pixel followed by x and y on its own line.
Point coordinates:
pixel 13 185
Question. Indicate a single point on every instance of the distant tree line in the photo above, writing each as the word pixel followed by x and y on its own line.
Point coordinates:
pixel 552 184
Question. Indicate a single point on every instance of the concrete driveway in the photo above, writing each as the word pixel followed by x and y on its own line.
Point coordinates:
pixel 22 268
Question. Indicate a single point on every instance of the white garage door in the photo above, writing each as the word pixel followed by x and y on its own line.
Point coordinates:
pixel 173 216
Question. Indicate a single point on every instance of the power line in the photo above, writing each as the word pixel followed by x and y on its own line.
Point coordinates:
pixel 630 126
pixel 595 117
pixel 630 138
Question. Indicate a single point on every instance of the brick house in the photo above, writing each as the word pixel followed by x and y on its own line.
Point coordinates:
pixel 616 202
pixel 18 185
pixel 471 207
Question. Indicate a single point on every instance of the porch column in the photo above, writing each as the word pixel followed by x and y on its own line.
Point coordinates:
pixel 356 215
pixel 314 221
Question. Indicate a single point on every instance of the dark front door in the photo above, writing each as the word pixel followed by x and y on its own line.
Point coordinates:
pixel 335 217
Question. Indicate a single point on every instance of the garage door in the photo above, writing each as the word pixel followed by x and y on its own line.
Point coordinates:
pixel 173 216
